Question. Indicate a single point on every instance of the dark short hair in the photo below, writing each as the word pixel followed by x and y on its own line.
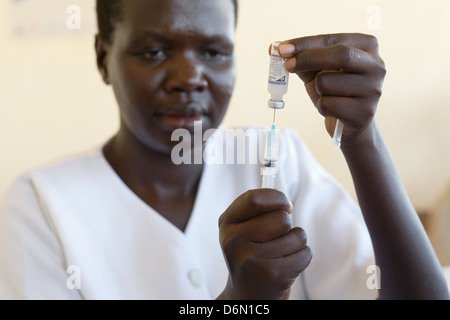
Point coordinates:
pixel 109 12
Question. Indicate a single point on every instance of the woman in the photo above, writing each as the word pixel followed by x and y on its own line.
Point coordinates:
pixel 136 225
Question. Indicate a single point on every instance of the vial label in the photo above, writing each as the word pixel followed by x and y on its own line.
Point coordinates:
pixel 277 71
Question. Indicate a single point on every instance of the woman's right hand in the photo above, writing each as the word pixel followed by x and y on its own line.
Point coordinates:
pixel 264 254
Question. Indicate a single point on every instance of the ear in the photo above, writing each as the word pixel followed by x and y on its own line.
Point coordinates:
pixel 101 50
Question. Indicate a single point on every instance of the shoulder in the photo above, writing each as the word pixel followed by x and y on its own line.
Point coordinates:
pixel 70 169
pixel 67 164
pixel 58 176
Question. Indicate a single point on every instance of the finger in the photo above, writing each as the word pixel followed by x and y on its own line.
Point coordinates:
pixel 253 203
pixel 352 112
pixel 344 84
pixel 288 244
pixel 292 265
pixel 266 227
pixel 338 57
pixel 364 42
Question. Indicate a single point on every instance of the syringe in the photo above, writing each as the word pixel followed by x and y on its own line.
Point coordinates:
pixel 270 169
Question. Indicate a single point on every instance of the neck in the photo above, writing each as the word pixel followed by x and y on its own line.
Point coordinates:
pixel 146 170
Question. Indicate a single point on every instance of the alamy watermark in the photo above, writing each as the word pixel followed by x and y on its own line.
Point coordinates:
pixel 373 282
pixel 74 278
pixel 374 17
pixel 218 146
pixel 73 281
pixel 73 21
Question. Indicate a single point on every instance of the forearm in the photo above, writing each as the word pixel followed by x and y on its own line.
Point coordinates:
pixel 408 265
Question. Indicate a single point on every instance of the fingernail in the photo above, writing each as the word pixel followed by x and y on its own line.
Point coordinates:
pixel 290 64
pixel 292 206
pixel 286 50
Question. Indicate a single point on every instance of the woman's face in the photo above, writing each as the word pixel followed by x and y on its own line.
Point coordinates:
pixel 170 63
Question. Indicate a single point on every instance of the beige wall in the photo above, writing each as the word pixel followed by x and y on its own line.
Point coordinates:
pixel 52 101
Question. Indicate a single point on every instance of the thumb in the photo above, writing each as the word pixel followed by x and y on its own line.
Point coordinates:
pixel 312 92
pixel 330 124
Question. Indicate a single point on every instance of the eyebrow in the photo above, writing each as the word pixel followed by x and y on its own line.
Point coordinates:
pixel 162 38
pixel 140 36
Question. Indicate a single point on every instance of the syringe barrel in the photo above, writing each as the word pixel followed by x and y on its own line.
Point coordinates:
pixel 271 154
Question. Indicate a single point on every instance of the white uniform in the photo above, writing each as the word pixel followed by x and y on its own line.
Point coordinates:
pixel 74 230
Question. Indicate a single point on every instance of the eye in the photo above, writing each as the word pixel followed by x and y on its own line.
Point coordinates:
pixel 214 55
pixel 154 54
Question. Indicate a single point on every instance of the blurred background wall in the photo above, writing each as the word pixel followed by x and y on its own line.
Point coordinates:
pixel 53 102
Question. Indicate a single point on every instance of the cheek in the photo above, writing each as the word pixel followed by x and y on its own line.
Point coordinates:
pixel 133 81
pixel 221 88
pixel 135 89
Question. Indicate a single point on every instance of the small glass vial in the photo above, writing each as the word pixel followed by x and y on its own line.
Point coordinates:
pixel 278 78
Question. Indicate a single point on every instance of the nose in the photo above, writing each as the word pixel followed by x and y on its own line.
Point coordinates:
pixel 186 74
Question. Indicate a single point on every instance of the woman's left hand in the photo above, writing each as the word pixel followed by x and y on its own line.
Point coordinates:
pixel 343 75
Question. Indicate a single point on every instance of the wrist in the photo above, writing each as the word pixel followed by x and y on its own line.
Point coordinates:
pixel 369 138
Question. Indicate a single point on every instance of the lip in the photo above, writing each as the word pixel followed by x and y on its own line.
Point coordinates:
pixel 183 117
pixel 181 122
